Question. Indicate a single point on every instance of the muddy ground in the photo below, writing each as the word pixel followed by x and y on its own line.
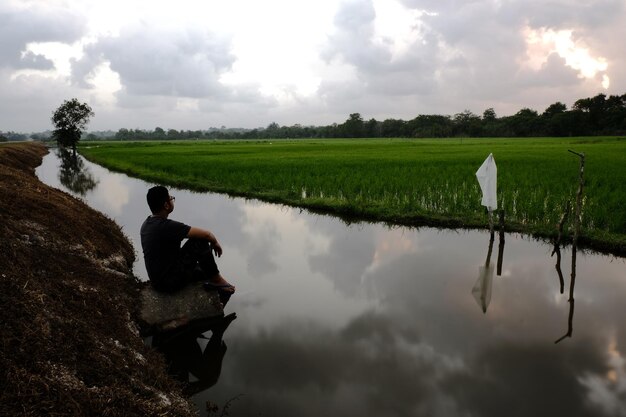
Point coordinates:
pixel 69 344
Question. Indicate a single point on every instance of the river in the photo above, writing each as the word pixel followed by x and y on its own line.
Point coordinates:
pixel 339 319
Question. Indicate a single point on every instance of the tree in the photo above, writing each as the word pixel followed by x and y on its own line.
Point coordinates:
pixel 159 133
pixel 556 108
pixel 569 123
pixel 273 130
pixel 489 115
pixel 525 122
pixel 173 134
pixel 371 128
pixel 353 127
pixel 467 124
pixel 69 120
pixel 392 128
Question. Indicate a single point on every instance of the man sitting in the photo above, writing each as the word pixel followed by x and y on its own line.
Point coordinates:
pixel 169 266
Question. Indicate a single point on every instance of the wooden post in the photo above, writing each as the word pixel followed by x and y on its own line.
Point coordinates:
pixel 501 245
pixel 579 203
pixel 557 246
pixel 489 250
pixel 572 282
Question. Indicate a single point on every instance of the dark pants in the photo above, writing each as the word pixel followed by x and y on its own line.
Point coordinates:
pixel 196 263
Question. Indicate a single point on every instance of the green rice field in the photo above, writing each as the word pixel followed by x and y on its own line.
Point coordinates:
pixel 399 181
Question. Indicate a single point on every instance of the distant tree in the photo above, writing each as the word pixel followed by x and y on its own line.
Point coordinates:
pixel 14 136
pixel 616 102
pixel 371 128
pixel 489 115
pixel 272 131
pixel 392 128
pixel 595 106
pixel 525 122
pixel 122 134
pixel 69 120
pixel 467 124
pixel 569 123
pixel 353 127
pixel 555 108
pixel 599 115
pixel 555 120
pixel 3 138
pixel 614 119
pixel 159 133
pixel 430 126
pixel 38 136
pixel 173 134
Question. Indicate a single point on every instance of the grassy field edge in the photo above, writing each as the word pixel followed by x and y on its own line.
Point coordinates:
pixel 602 241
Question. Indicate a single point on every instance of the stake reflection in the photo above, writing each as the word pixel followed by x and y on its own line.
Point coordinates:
pixel 482 288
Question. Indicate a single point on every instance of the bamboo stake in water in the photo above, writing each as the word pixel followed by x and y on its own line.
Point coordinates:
pixel 572 282
pixel 557 246
pixel 501 245
pixel 579 203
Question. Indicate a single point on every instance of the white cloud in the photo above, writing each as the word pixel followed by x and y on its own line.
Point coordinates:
pixel 396 26
pixel 192 63
pixel 21 26
pixel 542 42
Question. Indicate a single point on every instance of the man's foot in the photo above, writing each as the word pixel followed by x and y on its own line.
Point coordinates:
pixel 220 284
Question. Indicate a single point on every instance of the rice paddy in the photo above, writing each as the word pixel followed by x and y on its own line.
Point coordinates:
pixel 399 180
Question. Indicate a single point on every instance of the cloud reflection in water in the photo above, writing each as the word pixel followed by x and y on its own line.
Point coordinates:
pixel 366 320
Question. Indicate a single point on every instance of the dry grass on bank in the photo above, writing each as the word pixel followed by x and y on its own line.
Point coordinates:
pixel 69 345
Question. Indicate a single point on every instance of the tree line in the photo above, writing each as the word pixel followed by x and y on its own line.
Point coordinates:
pixel 12 136
pixel 594 116
pixel 599 115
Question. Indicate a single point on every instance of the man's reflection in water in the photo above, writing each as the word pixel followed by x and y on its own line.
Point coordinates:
pixel 73 174
pixel 185 356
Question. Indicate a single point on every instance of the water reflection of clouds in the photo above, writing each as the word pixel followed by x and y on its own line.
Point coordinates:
pixel 345 260
pixel 370 367
pixel 263 236
pixel 608 392
pixel 528 379
pixel 367 320
pixel 378 365
pixel 114 194
pixel 392 244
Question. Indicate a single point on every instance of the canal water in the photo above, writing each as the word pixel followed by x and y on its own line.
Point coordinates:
pixel 339 319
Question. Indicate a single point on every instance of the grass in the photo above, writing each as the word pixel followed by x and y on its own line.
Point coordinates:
pixel 399 181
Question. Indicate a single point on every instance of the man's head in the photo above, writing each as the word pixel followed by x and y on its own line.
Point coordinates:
pixel 159 199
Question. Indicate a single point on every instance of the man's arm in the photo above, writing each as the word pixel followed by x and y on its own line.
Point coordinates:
pixel 197 233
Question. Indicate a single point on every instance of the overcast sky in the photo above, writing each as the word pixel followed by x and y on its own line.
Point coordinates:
pixel 195 64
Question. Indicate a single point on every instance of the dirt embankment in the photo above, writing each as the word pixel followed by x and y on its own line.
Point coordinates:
pixel 68 342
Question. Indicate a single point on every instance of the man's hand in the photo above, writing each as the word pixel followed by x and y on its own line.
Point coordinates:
pixel 217 249
pixel 197 233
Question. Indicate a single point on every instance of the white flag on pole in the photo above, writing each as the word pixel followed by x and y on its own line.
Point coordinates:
pixel 487 176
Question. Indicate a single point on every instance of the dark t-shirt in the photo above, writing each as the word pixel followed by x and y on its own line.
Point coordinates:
pixel 160 240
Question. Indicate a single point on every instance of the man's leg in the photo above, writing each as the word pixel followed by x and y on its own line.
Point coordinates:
pixel 197 253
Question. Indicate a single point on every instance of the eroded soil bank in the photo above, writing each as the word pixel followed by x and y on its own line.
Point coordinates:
pixel 69 343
